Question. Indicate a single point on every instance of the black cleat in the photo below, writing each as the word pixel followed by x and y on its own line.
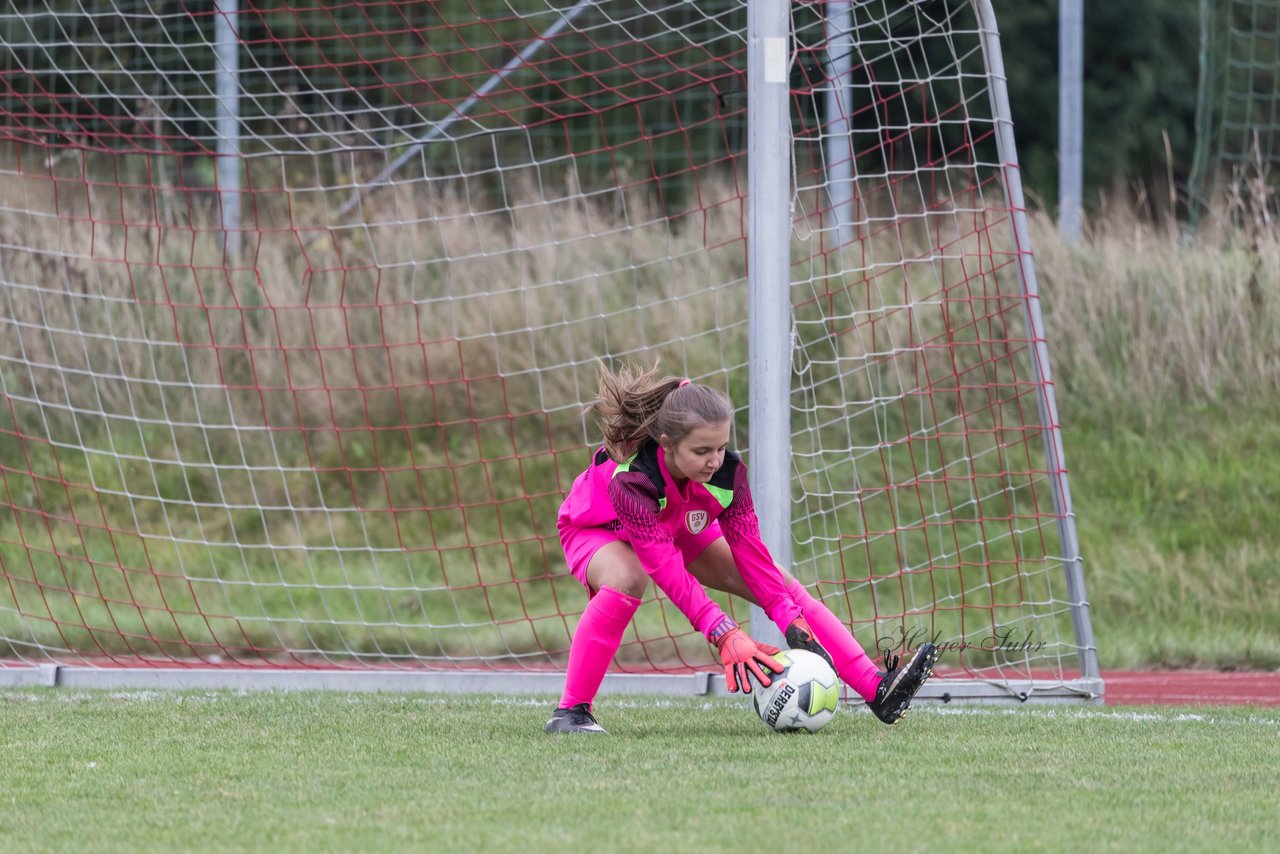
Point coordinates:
pixel 799 636
pixel 899 685
pixel 574 719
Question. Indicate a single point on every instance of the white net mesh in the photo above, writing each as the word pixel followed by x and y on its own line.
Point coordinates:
pixel 340 435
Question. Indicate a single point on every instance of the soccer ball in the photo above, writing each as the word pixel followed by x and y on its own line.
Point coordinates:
pixel 803 696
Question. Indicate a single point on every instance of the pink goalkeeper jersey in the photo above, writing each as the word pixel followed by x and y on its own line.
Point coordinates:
pixel 639 497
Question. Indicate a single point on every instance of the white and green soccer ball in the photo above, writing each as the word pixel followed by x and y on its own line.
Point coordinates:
pixel 803 697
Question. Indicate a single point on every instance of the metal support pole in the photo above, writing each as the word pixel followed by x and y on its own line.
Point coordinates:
pixel 1070 117
pixel 838 109
pixel 440 128
pixel 226 27
pixel 769 278
pixel 1046 400
pixel 1200 184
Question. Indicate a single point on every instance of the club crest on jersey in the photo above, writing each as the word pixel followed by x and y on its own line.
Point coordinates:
pixel 696 521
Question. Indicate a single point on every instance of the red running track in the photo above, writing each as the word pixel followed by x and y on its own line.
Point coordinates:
pixel 1190 687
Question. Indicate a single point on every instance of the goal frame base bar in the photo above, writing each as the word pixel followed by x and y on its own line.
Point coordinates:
pixel 700 684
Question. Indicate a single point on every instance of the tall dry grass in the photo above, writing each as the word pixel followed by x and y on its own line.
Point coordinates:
pixel 1143 316
pixel 124 290
pixel 435 309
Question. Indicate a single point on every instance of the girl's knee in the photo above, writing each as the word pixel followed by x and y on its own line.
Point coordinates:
pixel 626 578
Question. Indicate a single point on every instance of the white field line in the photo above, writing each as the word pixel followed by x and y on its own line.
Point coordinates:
pixel 358 699
pixel 1097 714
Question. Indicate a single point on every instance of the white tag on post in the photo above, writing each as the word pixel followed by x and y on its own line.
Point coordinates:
pixel 775 60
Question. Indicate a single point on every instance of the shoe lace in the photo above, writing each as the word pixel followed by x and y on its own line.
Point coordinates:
pixel 581 714
pixel 890 662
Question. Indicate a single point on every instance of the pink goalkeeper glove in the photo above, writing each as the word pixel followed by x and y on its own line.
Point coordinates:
pixel 741 656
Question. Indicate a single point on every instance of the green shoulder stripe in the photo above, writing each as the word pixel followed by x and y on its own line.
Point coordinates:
pixel 645 461
pixel 724 496
pixel 721 484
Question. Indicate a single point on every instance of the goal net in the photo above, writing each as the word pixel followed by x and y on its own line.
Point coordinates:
pixel 302 304
pixel 1237 161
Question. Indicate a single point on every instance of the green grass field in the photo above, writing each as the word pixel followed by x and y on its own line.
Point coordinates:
pixel 291 772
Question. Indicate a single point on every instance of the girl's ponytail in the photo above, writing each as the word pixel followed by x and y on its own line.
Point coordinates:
pixel 637 404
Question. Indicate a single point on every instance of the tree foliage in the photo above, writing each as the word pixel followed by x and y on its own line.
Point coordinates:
pixel 1141 67
pixel 137 75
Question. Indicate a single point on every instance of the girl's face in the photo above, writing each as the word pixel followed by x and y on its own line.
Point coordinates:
pixel 699 455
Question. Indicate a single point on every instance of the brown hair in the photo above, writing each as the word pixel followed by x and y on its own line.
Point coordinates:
pixel 636 404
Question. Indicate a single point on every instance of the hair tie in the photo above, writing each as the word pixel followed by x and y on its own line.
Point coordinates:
pixel 684 383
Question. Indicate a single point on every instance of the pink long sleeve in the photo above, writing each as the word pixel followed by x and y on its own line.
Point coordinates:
pixel 741 530
pixel 637 508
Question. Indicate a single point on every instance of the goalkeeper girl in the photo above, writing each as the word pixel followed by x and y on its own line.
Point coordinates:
pixel 664 500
